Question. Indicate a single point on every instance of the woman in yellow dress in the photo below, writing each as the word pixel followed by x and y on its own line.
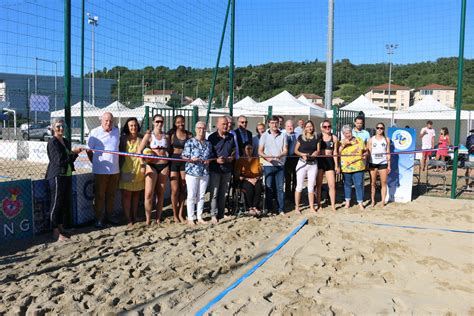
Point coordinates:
pixel 132 180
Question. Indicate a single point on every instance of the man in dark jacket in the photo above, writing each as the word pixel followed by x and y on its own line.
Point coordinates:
pixel 243 135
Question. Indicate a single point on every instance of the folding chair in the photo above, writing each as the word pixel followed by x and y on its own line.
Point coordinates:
pixel 417 174
pixel 440 175
pixel 469 165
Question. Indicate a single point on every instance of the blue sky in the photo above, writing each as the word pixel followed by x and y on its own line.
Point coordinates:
pixel 139 33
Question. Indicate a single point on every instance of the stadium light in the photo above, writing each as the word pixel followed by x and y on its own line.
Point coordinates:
pixel 94 21
pixel 390 51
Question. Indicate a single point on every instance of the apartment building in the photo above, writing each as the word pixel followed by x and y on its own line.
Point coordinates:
pixel 400 96
pixel 443 94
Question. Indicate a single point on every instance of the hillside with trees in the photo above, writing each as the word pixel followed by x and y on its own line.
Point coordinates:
pixel 264 81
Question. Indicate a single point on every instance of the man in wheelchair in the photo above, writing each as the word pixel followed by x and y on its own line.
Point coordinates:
pixel 248 181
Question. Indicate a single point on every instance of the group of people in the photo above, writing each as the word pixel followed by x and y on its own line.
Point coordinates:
pixel 281 159
pixel 428 141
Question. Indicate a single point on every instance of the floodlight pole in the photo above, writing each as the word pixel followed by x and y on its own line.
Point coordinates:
pixel 67 68
pixel 231 64
pixel 390 51
pixel 55 77
pixel 329 56
pixel 83 18
pixel 94 21
pixel 458 100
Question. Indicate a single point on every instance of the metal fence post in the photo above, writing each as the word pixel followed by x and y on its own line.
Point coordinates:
pixel 334 119
pixel 458 100
pixel 195 118
pixel 146 119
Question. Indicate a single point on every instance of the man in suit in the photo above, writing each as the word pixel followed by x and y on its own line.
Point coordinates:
pixel 243 135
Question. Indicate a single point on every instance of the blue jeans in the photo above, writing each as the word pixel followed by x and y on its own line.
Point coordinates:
pixel 358 179
pixel 274 178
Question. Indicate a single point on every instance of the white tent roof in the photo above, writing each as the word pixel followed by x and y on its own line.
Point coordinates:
pixel 365 105
pixel 156 105
pixel 430 108
pixel 428 104
pixel 198 102
pixel 89 110
pixel 115 106
pixel 285 103
pixel 305 100
pixel 245 102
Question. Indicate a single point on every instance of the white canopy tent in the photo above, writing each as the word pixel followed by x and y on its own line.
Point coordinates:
pixel 431 109
pixel 442 116
pixel 286 104
pixel 305 100
pixel 89 109
pixel 200 103
pixel 365 105
pixel 245 103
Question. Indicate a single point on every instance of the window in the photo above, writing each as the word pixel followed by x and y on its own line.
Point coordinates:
pixel 426 92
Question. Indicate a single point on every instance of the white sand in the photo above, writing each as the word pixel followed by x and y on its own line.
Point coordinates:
pixel 330 266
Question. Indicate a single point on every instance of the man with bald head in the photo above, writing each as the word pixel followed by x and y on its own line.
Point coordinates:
pixel 223 148
pixel 105 167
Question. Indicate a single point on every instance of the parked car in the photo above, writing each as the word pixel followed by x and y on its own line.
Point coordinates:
pixel 39 131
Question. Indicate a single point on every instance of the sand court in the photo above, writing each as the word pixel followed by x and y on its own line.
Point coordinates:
pixel 329 266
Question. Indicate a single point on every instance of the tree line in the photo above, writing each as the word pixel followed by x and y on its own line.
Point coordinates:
pixel 264 81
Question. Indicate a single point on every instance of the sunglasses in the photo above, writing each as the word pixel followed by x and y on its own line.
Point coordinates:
pixel 380 128
pixel 243 122
pixel 59 126
pixel 158 122
pixel 326 126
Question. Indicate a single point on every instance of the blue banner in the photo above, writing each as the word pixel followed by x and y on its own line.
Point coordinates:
pixel 400 178
pixel 16 216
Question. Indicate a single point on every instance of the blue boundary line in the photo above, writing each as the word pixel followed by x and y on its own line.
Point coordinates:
pixel 251 271
pixel 411 227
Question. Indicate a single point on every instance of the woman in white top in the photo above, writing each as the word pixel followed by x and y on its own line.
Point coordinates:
pixel 379 150
pixel 156 170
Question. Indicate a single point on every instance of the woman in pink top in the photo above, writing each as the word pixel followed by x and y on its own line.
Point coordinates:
pixel 443 143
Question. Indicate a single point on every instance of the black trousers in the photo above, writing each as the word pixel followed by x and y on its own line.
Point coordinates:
pixel 290 176
pixel 61 188
pixel 253 194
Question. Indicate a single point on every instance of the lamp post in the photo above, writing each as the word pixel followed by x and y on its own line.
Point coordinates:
pixel 55 78
pixel 94 21
pixel 390 51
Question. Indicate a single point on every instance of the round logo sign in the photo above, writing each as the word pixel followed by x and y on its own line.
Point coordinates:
pixel 401 139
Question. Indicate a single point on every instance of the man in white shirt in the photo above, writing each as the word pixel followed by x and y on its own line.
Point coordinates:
pixel 105 167
pixel 427 135
pixel 273 149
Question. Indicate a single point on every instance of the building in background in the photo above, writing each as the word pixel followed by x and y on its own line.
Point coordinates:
pixel 17 89
pixel 443 94
pixel 159 96
pixel 3 91
pixel 400 96
pixel 338 102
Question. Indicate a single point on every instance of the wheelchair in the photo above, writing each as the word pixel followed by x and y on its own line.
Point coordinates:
pixel 235 199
